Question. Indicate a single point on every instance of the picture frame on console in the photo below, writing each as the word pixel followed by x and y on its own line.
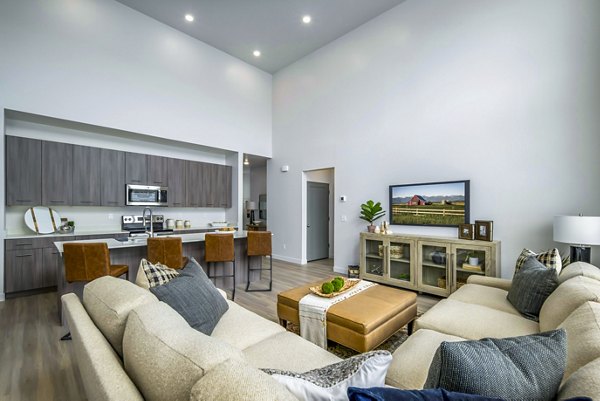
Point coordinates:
pixel 466 231
pixel 484 230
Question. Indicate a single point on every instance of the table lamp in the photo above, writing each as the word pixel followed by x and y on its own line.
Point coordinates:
pixel 580 232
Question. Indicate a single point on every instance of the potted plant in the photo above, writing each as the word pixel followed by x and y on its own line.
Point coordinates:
pixel 472 259
pixel 371 211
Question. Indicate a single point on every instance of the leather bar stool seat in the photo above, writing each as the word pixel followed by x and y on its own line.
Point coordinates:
pixel 219 248
pixel 167 251
pixel 89 261
pixel 260 244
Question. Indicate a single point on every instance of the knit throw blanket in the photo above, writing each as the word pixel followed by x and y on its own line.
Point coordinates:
pixel 313 312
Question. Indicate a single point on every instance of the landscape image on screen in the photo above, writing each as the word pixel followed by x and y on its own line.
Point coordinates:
pixel 441 204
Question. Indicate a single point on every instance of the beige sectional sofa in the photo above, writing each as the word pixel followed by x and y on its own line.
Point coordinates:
pixel 480 309
pixel 130 346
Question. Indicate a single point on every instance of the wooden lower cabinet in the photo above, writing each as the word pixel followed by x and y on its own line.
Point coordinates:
pixel 435 265
pixel 23 270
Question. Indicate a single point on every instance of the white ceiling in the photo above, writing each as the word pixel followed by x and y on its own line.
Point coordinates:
pixel 274 27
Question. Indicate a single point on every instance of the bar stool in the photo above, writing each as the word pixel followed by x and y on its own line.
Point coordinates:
pixel 259 244
pixel 89 261
pixel 167 251
pixel 219 248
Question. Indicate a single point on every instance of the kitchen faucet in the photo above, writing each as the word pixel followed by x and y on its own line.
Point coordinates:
pixel 151 232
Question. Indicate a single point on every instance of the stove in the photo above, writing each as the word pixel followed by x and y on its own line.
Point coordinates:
pixel 135 224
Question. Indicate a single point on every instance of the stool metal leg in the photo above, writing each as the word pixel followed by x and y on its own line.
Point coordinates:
pixel 260 270
pixel 233 293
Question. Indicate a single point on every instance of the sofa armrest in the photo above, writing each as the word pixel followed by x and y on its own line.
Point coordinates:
pixel 495 282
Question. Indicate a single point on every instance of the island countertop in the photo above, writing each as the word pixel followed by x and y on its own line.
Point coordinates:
pixel 138 242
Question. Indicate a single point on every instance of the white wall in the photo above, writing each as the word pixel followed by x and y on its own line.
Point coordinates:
pixel 102 63
pixel 502 93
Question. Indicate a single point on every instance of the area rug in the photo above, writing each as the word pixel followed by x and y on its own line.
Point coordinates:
pixel 339 350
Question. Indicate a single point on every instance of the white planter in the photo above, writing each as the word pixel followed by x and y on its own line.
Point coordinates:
pixel 474 261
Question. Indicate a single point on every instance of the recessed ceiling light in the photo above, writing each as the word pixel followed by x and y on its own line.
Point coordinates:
pixel 189 17
pixel 306 19
pixel 256 53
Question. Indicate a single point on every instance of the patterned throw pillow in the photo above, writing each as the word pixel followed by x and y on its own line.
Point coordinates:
pixel 550 258
pixel 517 368
pixel 157 274
pixel 332 382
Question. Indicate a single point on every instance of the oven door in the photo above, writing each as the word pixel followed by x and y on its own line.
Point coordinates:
pixel 145 195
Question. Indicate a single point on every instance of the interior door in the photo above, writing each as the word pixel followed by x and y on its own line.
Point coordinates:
pixel 317 228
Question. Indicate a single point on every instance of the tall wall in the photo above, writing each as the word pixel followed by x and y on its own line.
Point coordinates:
pixel 99 62
pixel 503 93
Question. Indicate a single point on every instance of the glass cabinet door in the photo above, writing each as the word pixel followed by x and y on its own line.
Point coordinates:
pixel 374 254
pixel 435 273
pixel 469 260
pixel 401 266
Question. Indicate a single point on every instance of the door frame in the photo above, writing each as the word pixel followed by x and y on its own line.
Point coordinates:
pixel 306 176
pixel 320 186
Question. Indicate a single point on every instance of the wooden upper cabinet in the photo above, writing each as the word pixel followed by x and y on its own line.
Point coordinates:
pixel 223 189
pixel 23 171
pixel 216 186
pixel 158 171
pixel 57 173
pixel 136 170
pixel 86 176
pixel 194 190
pixel 112 178
pixel 177 182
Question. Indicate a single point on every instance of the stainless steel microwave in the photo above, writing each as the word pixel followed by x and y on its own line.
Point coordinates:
pixel 146 195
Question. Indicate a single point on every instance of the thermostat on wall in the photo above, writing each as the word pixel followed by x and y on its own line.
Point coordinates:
pixel 285 169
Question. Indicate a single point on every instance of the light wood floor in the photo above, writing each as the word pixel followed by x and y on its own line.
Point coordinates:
pixel 35 365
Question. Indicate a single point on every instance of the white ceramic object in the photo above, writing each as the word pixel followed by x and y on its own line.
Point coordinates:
pixel 474 261
pixel 42 220
pixel 218 224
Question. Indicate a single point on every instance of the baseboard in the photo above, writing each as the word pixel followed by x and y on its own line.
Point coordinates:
pixel 288 259
pixel 339 269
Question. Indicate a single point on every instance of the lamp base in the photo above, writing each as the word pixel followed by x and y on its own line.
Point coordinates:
pixel 581 254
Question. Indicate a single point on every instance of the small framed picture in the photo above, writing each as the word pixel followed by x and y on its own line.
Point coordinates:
pixel 466 231
pixel 483 230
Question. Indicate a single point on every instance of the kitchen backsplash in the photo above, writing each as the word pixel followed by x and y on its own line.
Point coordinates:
pixel 107 218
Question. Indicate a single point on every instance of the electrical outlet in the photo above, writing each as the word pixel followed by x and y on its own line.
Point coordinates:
pixel 284 246
pixel 111 216
pixel 344 218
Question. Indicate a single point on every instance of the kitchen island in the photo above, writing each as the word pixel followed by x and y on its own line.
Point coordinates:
pixel 130 253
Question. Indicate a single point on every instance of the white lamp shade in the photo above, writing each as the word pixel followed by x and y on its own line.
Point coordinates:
pixel 579 230
pixel 250 205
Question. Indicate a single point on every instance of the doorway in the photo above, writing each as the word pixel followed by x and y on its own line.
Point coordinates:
pixel 317 220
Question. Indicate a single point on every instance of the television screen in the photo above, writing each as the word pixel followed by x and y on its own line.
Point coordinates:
pixel 430 204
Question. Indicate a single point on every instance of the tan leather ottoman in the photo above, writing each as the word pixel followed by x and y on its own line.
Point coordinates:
pixel 361 322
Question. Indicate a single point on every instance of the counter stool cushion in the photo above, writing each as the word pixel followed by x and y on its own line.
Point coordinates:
pixel 219 248
pixel 108 301
pixel 259 243
pixel 167 251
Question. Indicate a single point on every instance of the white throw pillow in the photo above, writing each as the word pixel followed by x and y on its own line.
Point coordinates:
pixel 331 382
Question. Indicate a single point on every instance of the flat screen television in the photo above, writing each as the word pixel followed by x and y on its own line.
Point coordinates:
pixel 444 204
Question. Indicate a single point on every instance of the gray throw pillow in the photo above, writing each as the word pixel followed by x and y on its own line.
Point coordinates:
pixel 531 285
pixel 518 368
pixel 194 297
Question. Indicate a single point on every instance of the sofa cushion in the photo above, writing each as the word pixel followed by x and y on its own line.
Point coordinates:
pixel 108 301
pixel 491 297
pixel 473 322
pixel 241 328
pixel 532 284
pixel 583 383
pixel 157 273
pixel 565 299
pixel 236 380
pixel 583 335
pixel 165 357
pixel 332 382
pixel 411 360
pixel 525 368
pixel 579 269
pixel 194 297
pixel 288 351
pixel 550 258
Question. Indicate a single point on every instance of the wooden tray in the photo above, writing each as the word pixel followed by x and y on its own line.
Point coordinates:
pixel 348 283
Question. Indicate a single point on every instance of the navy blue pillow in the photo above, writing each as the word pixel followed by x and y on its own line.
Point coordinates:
pixel 194 297
pixel 394 394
